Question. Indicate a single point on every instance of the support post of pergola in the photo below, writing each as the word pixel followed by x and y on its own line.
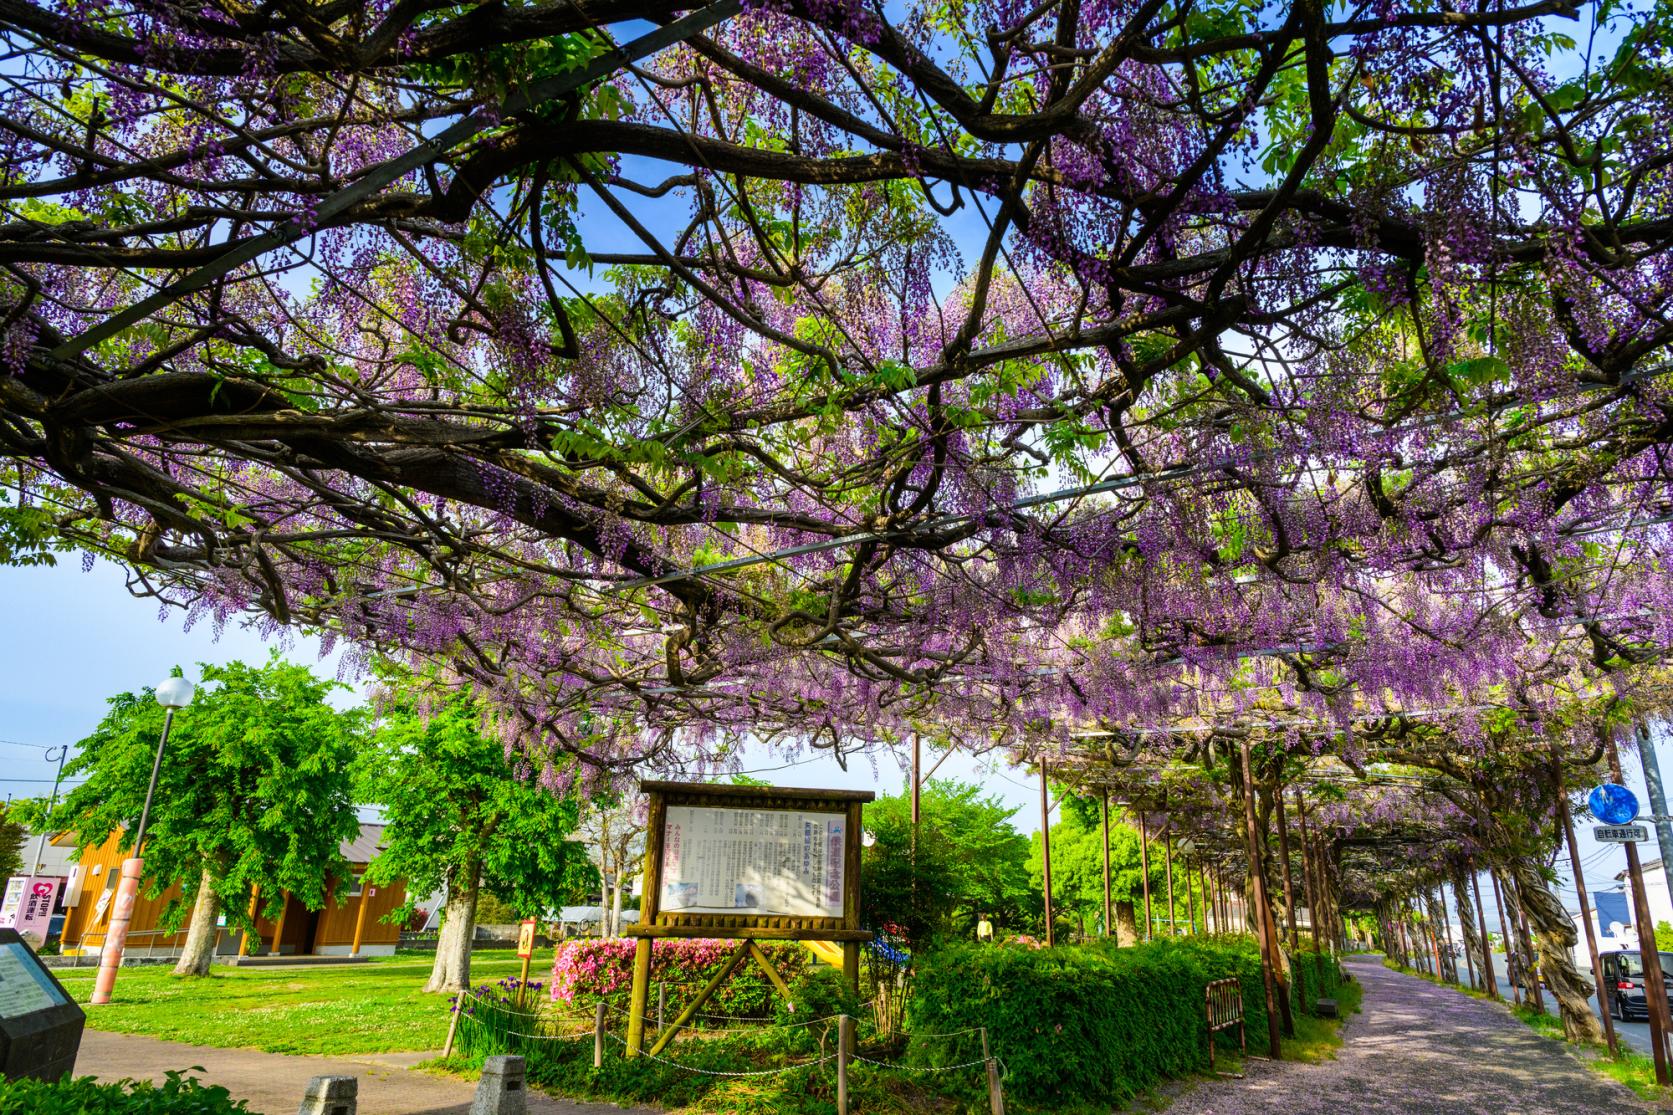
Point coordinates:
pixel 1144 871
pixel 1269 974
pixel 1045 848
pixel 1586 920
pixel 1104 814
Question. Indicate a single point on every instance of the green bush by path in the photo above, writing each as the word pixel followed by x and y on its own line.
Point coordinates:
pixel 178 1095
pixel 1087 1024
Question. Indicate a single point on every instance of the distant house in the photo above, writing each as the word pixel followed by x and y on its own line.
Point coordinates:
pixel 350 925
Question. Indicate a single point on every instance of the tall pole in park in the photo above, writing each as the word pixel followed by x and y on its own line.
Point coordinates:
pixel 1269 960
pixel 1045 849
pixel 1658 798
pixel 1144 871
pixel 174 693
pixel 63 750
pixel 1586 918
pixel 1654 995
pixel 1104 815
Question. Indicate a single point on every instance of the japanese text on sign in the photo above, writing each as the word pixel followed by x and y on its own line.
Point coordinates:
pixel 765 862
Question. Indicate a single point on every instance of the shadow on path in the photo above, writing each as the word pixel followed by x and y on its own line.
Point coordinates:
pixel 1418 1048
pixel 272 1083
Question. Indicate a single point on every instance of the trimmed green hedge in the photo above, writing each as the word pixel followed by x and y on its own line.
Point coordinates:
pixel 1081 1024
pixel 178 1095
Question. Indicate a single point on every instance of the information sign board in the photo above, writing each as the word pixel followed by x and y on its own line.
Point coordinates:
pixel 28 904
pixel 1621 834
pixel 40 1026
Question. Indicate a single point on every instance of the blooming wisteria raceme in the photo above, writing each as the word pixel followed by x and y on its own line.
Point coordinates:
pixel 827 372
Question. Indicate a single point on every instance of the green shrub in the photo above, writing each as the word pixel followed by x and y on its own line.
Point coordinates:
pixel 178 1095
pixel 1087 1024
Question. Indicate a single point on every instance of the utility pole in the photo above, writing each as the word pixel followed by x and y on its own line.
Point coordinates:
pixel 1655 995
pixel 1658 798
pixel 63 750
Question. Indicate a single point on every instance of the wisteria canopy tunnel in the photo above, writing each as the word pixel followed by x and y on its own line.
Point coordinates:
pixel 829 371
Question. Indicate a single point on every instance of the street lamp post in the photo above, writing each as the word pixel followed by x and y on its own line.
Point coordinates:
pixel 174 693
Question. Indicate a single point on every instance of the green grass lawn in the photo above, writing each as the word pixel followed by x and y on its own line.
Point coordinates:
pixel 375 1007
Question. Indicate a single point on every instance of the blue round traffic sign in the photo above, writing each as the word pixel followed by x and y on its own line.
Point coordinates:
pixel 1613 804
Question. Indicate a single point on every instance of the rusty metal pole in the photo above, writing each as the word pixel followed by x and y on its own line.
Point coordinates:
pixel 1104 813
pixel 1144 871
pixel 1586 920
pixel 1289 898
pixel 1269 963
pixel 1045 848
pixel 1487 977
pixel 1167 857
pixel 1655 995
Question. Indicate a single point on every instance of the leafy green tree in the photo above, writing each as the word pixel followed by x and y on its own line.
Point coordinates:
pixel 253 791
pixel 11 843
pixel 460 816
pixel 1077 868
pixel 970 860
pixel 1664 936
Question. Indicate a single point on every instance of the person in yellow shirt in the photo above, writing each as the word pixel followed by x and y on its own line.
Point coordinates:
pixel 984 930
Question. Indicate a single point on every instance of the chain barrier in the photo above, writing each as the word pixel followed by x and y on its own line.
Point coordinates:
pixel 898 1067
pixel 719 1072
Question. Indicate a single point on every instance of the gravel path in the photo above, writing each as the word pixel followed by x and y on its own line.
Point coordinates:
pixel 1415 1049
pixel 272 1083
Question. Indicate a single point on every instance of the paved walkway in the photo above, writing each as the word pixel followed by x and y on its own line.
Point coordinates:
pixel 1418 1049
pixel 272 1083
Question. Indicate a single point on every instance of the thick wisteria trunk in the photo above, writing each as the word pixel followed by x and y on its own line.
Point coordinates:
pixel 1551 924
pixel 1126 925
pixel 199 951
pixel 1467 918
pixel 452 968
pixel 1437 930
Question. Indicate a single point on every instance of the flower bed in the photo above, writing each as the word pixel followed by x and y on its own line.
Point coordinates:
pixel 592 970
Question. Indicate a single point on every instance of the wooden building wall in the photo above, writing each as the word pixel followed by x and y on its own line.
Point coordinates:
pixel 334 925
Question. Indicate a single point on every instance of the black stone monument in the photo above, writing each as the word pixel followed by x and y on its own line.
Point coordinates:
pixel 40 1026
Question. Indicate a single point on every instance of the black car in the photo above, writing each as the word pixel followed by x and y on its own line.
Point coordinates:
pixel 1623 982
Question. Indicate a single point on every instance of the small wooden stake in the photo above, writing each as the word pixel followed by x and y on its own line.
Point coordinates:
pixel 598 1038
pixel 452 1027
pixel 661 1004
pixel 845 1049
pixel 996 1090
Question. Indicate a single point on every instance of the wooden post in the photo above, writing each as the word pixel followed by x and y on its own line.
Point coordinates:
pixel 244 942
pixel 598 1037
pixel 845 1049
pixel 851 966
pixel 1269 964
pixel 637 995
pixel 1487 976
pixel 1648 954
pixel 1045 849
pixel 360 925
pixel 1104 811
pixel 1528 949
pixel 1586 920
pixel 661 1003
pixel 1167 858
pixel 696 1004
pixel 1190 906
pixel 279 926
pixel 1289 895
pixel 1144 871
pixel 996 1091
pixel 453 1026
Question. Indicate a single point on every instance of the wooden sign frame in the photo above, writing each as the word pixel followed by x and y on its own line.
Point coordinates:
pixel 747 929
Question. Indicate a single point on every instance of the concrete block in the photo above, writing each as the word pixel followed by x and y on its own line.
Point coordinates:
pixel 1325 1008
pixel 503 1089
pixel 329 1095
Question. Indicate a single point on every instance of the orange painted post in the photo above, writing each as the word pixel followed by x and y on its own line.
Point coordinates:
pixel 116 937
pixel 366 893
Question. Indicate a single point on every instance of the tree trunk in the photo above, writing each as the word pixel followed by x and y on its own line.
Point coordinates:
pixel 1126 925
pixel 452 969
pixel 1555 930
pixel 1467 918
pixel 1437 927
pixel 199 950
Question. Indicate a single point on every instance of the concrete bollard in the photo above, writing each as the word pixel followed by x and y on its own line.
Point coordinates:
pixel 329 1095
pixel 501 1091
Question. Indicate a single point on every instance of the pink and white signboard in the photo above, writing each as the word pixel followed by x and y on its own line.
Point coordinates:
pixel 27 906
